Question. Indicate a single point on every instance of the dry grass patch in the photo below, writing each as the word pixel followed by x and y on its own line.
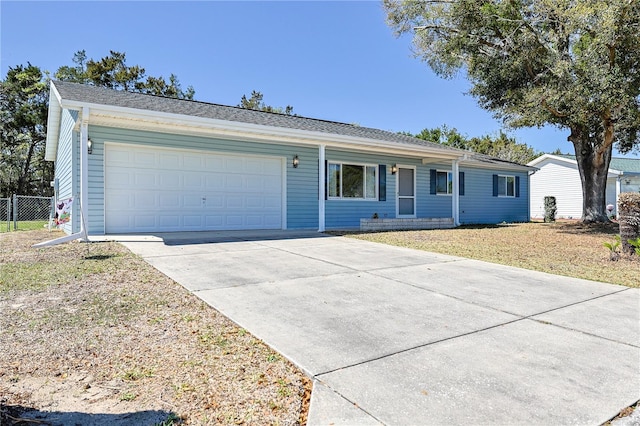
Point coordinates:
pixel 564 248
pixel 92 328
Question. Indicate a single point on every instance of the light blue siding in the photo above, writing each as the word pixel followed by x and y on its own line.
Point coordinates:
pixel 67 166
pixel 302 193
pixel 433 205
pixel 347 213
pixel 478 205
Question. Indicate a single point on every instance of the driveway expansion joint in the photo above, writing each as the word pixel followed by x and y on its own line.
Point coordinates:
pixel 413 348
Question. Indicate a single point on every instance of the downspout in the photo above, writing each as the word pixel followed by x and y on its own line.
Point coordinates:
pixel 84 187
pixel 530 173
pixel 455 196
pixel 321 188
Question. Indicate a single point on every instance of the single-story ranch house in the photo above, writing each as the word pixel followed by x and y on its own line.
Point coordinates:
pixel 137 163
pixel 558 176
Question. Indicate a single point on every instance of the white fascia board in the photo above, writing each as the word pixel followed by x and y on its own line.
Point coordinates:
pixel 565 160
pixel 544 157
pixel 53 124
pixel 106 113
pixel 514 167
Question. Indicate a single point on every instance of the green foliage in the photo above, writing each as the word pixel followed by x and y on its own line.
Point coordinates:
pixel 171 420
pixel 128 396
pixel 635 243
pixel 255 102
pixel 613 246
pixel 113 72
pixel 629 220
pixel 23 116
pixel 24 97
pixel 502 146
pixel 570 64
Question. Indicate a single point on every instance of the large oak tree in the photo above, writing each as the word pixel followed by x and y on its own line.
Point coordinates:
pixel 573 64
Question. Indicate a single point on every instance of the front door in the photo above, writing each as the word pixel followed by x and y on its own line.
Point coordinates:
pixel 406 192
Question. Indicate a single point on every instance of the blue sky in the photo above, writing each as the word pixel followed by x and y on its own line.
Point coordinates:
pixel 330 60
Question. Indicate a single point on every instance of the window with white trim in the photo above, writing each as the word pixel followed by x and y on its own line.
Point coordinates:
pixel 506 186
pixel 352 181
pixel 444 182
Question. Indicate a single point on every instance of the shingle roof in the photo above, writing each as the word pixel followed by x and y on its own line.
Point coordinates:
pixel 627 165
pixel 104 96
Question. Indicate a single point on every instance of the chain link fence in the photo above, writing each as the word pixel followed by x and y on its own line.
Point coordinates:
pixel 26 212
pixel 5 214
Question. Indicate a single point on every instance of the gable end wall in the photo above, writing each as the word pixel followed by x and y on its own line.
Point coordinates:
pixel 67 166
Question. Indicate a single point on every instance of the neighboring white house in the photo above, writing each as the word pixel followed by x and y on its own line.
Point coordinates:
pixel 558 176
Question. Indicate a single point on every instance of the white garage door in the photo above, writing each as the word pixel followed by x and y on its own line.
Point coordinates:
pixel 157 189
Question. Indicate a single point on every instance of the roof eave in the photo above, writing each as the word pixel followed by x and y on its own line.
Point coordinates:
pixel 101 114
pixel 497 165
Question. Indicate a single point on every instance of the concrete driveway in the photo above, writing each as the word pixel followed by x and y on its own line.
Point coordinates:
pixel 397 336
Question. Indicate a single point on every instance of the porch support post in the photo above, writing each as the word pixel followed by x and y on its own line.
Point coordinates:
pixel 84 171
pixel 321 188
pixel 455 195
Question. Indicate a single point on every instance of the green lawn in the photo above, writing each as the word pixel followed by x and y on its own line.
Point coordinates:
pixel 28 225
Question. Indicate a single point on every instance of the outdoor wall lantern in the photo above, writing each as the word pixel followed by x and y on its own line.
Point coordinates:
pixel 394 169
pixel 296 161
pixel 89 146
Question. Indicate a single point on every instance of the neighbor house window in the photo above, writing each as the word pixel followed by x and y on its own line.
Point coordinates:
pixel 506 186
pixel 352 181
pixel 444 182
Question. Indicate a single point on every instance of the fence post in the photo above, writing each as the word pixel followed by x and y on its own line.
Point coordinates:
pixel 8 214
pixel 52 212
pixel 15 212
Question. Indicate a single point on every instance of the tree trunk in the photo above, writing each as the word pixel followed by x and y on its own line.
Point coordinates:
pixel 593 164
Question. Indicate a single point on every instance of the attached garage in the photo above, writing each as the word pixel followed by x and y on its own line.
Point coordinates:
pixel 152 189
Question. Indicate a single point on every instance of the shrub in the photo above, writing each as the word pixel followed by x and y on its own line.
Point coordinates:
pixel 629 220
pixel 550 209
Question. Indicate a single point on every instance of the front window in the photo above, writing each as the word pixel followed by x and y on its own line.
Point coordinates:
pixel 444 183
pixel 506 186
pixel 352 181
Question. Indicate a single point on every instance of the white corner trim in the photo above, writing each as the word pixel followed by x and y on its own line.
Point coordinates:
pixel 455 199
pixel 321 188
pixel 54 116
pixel 84 170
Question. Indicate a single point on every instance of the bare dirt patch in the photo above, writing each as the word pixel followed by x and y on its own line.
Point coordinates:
pixel 91 334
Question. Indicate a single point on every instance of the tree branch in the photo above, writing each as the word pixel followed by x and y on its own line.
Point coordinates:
pixel 552 110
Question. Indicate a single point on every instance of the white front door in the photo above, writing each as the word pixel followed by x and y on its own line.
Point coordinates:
pixel 406 192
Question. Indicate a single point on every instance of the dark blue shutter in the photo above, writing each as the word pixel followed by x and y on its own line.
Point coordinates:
pixel 517 186
pixel 382 182
pixel 326 179
pixel 461 185
pixel 495 185
pixel 433 176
